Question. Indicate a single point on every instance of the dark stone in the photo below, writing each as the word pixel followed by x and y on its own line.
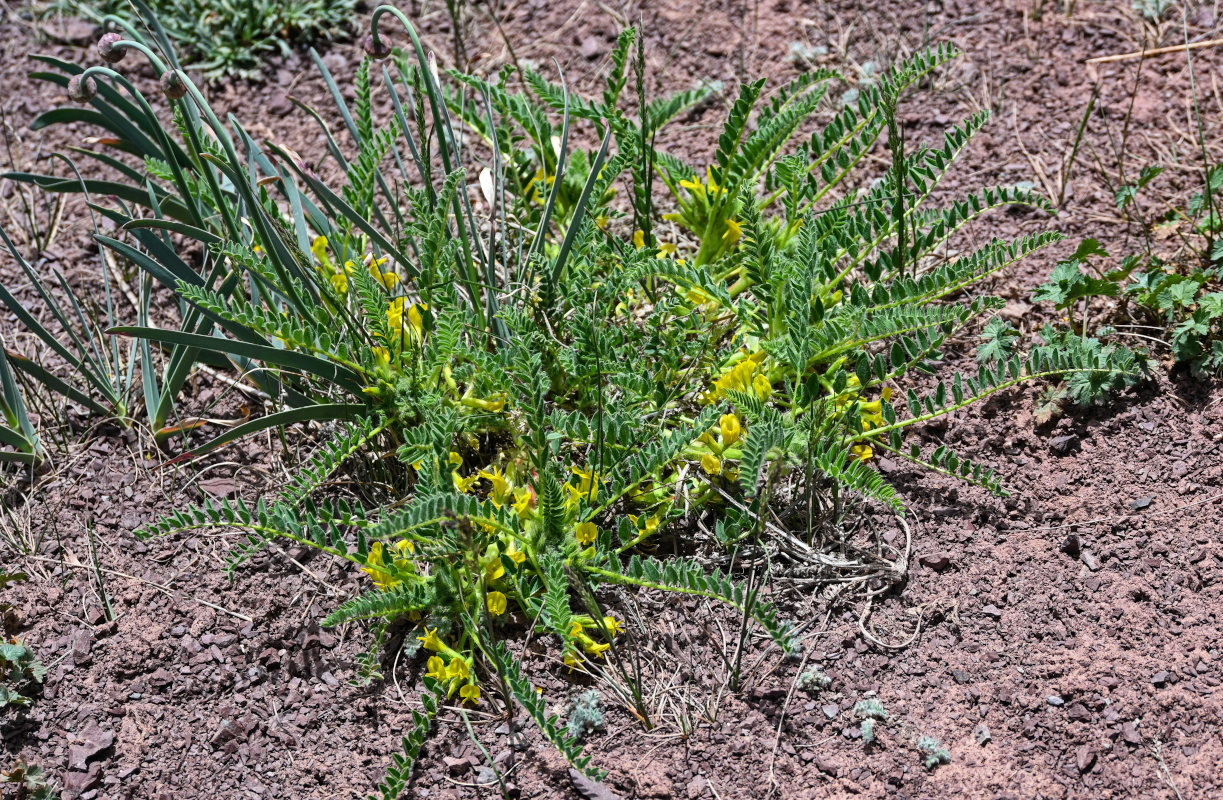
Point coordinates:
pixel 1085 758
pixel 88 745
pixel 1065 445
pixel 935 561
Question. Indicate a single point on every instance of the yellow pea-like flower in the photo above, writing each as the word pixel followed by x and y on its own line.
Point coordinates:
pixel 733 232
pixel 762 386
pixel 501 487
pixel 730 428
pixel 586 533
pixel 496 603
pixel 430 640
pixel 458 669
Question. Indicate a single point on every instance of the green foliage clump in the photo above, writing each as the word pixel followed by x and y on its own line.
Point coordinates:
pixel 232 37
pixel 585 716
pixel 871 712
pixel 551 376
pixel 1173 299
pixel 1185 294
pixel 933 753
pixel 813 680
pixel 20 673
pixel 29 782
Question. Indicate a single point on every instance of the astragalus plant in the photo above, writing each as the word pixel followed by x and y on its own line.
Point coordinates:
pixel 554 383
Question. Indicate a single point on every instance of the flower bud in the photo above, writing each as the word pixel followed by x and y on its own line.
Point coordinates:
pixel 173 84
pixel 377 49
pixel 81 89
pixel 107 50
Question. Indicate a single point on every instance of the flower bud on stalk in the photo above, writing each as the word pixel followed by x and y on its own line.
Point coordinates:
pixel 81 89
pixel 377 49
pixel 107 50
pixel 173 84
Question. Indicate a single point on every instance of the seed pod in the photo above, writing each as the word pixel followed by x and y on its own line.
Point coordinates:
pixel 81 89
pixel 173 84
pixel 107 50
pixel 378 49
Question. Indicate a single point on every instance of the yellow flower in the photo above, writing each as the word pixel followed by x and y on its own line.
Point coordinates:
pixel 872 413
pixel 648 525
pixel 524 501
pixel 730 429
pixel 733 232
pixel 430 640
pixel 394 315
pixel 516 555
pixel 586 532
pixel 501 487
pixel 711 464
pixel 318 248
pixel 862 451
pixel 395 318
pixel 461 484
pixel 415 319
pixel 470 693
pixel 738 377
pixel 573 661
pixel 588 484
pixel 387 279
pixel 458 669
pixel 339 282
pixel 666 249
pixel 454 458
pixel 402 549
pixel 597 650
pixel 702 189
pixel 382 354
pixel 494 569
pixel 762 386
pixel 496 603
pixel 614 626
pixel 639 239
pixel 375 567
pixel 575 628
pixel 533 188
pixel 436 668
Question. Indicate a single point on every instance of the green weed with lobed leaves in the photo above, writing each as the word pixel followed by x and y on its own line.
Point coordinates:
pixel 547 375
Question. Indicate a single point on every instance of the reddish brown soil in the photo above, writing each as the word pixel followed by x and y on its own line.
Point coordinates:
pixel 1077 620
